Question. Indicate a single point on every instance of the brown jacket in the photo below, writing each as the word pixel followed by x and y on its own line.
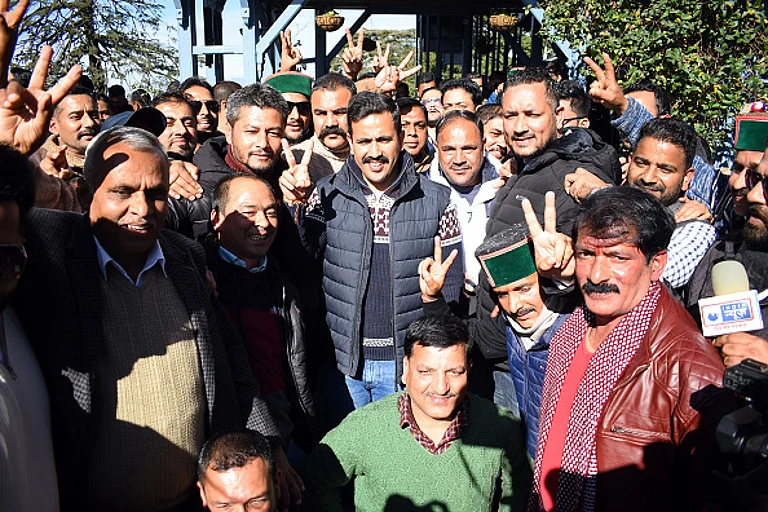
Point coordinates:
pixel 657 427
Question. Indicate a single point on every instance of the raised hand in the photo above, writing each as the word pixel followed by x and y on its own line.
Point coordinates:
pixel 693 210
pixel 290 55
pixel 25 113
pixel 9 30
pixel 352 56
pixel 381 60
pixel 295 182
pixel 553 251
pixel 388 78
pixel 605 90
pixel 55 163
pixel 432 272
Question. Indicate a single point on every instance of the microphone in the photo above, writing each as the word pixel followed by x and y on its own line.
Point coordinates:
pixel 735 307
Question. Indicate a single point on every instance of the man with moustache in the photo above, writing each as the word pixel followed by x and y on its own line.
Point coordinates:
pixel 463 167
pixel 602 441
pixel 74 124
pixel 295 88
pixel 432 99
pixel 750 248
pixel 257 115
pixel 413 117
pixel 200 94
pixel 662 165
pixel 329 145
pixel 371 224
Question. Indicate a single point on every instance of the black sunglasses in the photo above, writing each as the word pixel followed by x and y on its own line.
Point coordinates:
pixel 211 105
pixel 752 178
pixel 13 259
pixel 303 107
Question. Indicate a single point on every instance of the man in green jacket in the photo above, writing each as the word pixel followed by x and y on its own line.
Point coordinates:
pixel 433 445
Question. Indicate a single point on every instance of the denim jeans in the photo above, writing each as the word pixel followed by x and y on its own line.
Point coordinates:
pixel 504 392
pixel 377 381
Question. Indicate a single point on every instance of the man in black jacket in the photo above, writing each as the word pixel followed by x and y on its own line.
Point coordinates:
pixel 530 111
pixel 261 302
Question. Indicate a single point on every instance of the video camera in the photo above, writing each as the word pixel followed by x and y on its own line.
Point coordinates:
pixel 743 434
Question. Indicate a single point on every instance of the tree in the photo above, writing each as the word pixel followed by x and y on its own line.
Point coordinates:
pixel 111 39
pixel 709 55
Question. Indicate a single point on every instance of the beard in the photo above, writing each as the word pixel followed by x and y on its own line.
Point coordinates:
pixel 756 237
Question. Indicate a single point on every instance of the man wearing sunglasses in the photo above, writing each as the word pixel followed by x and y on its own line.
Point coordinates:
pixel 27 471
pixel 200 95
pixel 295 89
pixel 575 102
pixel 750 247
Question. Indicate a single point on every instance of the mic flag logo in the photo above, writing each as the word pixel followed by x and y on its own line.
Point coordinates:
pixel 735 312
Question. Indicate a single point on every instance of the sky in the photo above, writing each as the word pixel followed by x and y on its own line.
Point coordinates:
pixel 301 28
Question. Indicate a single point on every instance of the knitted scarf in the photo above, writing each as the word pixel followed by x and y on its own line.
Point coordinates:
pixel 233 163
pixel 579 464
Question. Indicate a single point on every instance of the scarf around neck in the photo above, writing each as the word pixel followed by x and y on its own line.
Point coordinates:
pixel 578 475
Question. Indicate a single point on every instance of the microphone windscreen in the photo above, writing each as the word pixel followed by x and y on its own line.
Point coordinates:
pixel 729 277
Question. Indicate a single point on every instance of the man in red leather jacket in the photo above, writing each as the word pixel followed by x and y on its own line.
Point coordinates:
pixel 622 421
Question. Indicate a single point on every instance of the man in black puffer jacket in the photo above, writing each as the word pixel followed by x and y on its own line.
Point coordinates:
pixel 530 111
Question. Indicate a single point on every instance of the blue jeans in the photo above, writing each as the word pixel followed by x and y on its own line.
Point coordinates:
pixel 378 381
pixel 504 392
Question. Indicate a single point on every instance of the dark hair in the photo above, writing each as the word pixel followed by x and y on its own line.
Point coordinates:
pixel 76 90
pixel 102 97
pixel 333 82
pixel 220 196
pixel 425 91
pixel 407 104
pixel 21 75
pixel 17 182
pixel 141 97
pixel 468 85
pixel 223 90
pixel 236 449
pixel 488 111
pixel 256 95
pixel 455 115
pixel 171 97
pixel 673 131
pixel 425 77
pixel 116 90
pixel 619 212
pixel 195 81
pixel 573 91
pixel 535 75
pixel 440 331
pixel 660 95
pixel 367 103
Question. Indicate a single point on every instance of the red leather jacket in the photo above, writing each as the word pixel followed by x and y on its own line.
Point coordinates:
pixel 651 441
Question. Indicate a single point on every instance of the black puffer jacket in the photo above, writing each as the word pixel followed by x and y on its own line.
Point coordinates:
pixel 579 148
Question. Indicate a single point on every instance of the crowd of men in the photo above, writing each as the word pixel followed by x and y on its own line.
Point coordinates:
pixel 321 293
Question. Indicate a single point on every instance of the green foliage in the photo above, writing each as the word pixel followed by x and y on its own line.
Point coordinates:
pixel 111 39
pixel 710 55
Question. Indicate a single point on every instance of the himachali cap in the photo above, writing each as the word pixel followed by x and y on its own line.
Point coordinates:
pixel 507 256
pixel 752 128
pixel 290 81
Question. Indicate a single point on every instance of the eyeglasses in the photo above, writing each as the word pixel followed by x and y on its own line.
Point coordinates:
pixel 752 178
pixel 570 119
pixel 211 105
pixel 430 101
pixel 13 259
pixel 303 107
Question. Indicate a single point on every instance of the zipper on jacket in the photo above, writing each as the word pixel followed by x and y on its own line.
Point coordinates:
pixel 357 339
pixel 392 290
pixel 6 361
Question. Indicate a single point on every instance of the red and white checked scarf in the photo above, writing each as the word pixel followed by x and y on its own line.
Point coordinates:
pixel 579 464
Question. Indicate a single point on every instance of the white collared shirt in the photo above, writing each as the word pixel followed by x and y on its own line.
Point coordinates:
pixel 154 256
